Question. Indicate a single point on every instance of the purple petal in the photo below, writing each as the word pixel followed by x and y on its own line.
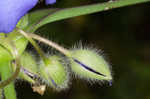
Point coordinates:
pixel 50 1
pixel 110 83
pixel 11 12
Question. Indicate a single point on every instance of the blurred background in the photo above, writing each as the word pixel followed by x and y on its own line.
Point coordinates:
pixel 123 35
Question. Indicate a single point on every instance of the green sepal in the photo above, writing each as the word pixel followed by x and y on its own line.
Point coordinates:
pixel 17 39
pixel 5 55
pixel 23 22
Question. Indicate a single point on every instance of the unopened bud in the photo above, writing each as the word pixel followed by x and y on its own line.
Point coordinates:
pixel 29 67
pixel 90 65
pixel 54 74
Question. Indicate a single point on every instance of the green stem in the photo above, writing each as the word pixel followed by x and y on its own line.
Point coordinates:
pixel 3 83
pixel 1 93
pixel 46 41
pixel 5 71
pixel 38 49
pixel 52 44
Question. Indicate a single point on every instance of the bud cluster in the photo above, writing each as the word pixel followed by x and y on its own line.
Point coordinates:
pixel 83 63
pixel 55 71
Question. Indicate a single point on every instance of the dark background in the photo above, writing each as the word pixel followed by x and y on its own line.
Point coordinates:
pixel 124 36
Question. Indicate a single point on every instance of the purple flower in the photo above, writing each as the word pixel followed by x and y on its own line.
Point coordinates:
pixel 11 11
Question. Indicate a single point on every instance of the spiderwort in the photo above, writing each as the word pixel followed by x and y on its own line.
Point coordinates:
pixel 12 11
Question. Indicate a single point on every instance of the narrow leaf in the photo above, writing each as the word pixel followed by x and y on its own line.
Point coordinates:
pixel 42 17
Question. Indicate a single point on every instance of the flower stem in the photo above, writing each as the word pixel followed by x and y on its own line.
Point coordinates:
pixel 17 59
pixel 38 49
pixel 50 43
pixel 29 36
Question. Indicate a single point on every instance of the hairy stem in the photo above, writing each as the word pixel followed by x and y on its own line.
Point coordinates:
pixel 38 49
pixel 50 43
pixel 46 41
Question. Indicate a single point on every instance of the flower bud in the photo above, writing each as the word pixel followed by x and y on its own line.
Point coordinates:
pixel 54 74
pixel 90 65
pixel 29 69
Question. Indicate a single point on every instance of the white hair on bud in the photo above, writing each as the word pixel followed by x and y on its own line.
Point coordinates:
pixel 66 83
pixel 90 47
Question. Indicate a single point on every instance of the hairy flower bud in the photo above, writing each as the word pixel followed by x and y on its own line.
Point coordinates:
pixel 54 74
pixel 29 69
pixel 90 65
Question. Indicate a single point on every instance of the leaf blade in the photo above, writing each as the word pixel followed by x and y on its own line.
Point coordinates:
pixel 60 14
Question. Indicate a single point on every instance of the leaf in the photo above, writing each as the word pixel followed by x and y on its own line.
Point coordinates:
pixel 23 22
pixel 37 16
pixel 19 41
pixel 42 17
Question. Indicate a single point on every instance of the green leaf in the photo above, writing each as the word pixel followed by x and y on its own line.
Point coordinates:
pixel 37 16
pixel 5 55
pixel 19 41
pixel 42 17
pixel 23 22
